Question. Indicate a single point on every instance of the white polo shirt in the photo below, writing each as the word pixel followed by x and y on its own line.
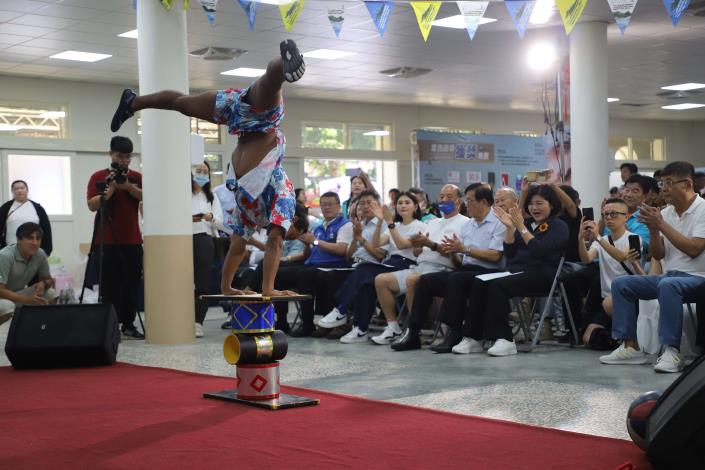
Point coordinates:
pixel 437 230
pixel 691 224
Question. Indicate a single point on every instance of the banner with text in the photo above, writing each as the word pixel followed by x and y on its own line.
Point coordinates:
pixel 380 12
pixel 472 13
pixel 425 14
pixel 622 11
pixel 520 11
pixel 571 11
pixel 250 9
pixel 290 13
pixel 675 9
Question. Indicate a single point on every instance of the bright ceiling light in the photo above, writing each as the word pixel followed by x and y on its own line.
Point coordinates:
pixel 9 127
pixel 684 86
pixel 52 114
pixel 275 2
pixel 376 133
pixel 81 56
pixel 327 54
pixel 244 72
pixel 129 34
pixel 543 11
pixel 458 22
pixel 682 106
pixel 612 100
pixel 541 56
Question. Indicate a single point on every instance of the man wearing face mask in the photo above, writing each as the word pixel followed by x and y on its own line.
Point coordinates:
pixel 431 256
pixel 121 190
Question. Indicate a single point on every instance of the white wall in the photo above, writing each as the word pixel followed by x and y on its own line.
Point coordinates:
pixel 90 107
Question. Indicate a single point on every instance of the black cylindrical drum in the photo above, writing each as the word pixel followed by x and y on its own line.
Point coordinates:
pixel 241 348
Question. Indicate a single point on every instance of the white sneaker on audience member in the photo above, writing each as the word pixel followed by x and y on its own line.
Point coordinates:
pixel 388 335
pixel 468 346
pixel 356 335
pixel 199 330
pixel 502 347
pixel 333 319
pixel 624 355
pixel 670 361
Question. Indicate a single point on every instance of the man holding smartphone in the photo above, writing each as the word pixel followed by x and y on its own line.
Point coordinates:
pixel 615 254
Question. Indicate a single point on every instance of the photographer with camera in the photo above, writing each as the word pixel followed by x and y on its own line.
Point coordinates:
pixel 121 192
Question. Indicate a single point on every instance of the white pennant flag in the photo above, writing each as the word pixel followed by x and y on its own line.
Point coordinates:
pixel 336 16
pixel 622 11
pixel 472 13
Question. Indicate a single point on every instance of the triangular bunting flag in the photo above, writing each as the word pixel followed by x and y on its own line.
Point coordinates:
pixel 380 12
pixel 520 11
pixel 209 7
pixel 622 11
pixel 571 11
pixel 250 9
pixel 472 13
pixel 167 4
pixel 336 16
pixel 185 5
pixel 425 14
pixel 675 9
pixel 290 12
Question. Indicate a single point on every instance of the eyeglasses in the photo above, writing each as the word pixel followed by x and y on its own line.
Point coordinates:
pixel 669 183
pixel 613 214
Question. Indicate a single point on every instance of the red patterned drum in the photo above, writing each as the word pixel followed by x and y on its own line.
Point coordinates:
pixel 258 381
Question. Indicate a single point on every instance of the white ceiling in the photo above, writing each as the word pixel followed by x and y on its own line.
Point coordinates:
pixel 487 73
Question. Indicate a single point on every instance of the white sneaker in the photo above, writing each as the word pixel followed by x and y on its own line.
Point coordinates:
pixel 502 347
pixel 624 355
pixel 670 361
pixel 467 346
pixel 333 319
pixel 388 335
pixel 199 330
pixel 356 335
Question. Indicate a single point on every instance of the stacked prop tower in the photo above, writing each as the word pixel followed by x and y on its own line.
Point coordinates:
pixel 255 348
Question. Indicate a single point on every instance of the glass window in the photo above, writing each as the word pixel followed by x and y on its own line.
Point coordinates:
pixel 48 178
pixel 631 148
pixel 323 136
pixel 209 131
pixel 215 161
pixel 47 122
pixel 340 136
pixel 369 137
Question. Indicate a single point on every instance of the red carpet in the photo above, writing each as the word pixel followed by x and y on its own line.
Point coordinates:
pixel 127 416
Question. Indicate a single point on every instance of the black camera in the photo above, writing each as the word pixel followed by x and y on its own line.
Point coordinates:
pixel 118 173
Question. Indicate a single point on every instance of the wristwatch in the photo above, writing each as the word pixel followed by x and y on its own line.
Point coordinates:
pixel 524 231
pixel 315 242
pixel 391 226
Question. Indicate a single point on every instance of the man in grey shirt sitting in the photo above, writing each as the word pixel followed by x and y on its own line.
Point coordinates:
pixel 19 265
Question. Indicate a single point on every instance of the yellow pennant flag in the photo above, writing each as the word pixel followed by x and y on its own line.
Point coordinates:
pixel 185 6
pixel 167 4
pixel 290 12
pixel 571 11
pixel 425 14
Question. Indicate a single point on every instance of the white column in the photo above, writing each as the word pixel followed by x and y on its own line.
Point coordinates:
pixel 589 120
pixel 163 64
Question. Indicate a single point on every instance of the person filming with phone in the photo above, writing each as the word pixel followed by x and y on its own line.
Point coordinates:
pixel 121 192
pixel 619 255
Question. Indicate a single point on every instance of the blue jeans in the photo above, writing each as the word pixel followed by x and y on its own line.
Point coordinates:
pixel 672 290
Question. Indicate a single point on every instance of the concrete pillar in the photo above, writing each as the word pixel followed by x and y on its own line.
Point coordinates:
pixel 589 120
pixel 168 253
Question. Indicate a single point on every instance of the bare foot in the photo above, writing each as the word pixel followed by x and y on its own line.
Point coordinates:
pixel 231 291
pixel 279 293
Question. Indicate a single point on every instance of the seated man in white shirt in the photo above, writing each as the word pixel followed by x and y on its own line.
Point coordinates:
pixel 616 259
pixel 431 257
pixel 678 240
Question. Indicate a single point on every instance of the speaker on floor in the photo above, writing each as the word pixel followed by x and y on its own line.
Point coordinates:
pixel 51 336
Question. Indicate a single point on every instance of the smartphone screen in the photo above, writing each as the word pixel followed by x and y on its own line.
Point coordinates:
pixel 635 243
pixel 588 213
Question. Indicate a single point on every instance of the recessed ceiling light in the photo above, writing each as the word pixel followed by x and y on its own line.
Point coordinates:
pixel 9 127
pixel 327 54
pixel 375 133
pixel 80 56
pixel 52 114
pixel 683 106
pixel 612 100
pixel 684 86
pixel 129 34
pixel 542 13
pixel 458 22
pixel 271 2
pixel 244 72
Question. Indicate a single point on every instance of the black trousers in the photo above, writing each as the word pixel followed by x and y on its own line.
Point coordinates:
pixel 578 284
pixel 203 255
pixel 454 286
pixel 122 276
pixel 488 315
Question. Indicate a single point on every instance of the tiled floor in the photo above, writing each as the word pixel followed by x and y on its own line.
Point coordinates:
pixel 554 387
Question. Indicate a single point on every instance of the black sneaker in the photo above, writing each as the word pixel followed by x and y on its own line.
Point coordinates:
pixel 292 61
pixel 124 109
pixel 339 331
pixel 131 333
pixel 227 324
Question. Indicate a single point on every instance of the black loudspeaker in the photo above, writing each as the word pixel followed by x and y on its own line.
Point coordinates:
pixel 51 336
pixel 676 426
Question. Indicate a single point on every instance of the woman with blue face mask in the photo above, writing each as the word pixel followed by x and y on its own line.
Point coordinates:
pixel 207 218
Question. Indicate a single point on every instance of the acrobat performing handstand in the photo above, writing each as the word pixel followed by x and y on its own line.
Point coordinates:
pixel 264 194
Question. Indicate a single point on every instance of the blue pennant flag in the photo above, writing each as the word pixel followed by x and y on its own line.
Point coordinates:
pixel 675 9
pixel 250 8
pixel 380 12
pixel 520 11
pixel 209 7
